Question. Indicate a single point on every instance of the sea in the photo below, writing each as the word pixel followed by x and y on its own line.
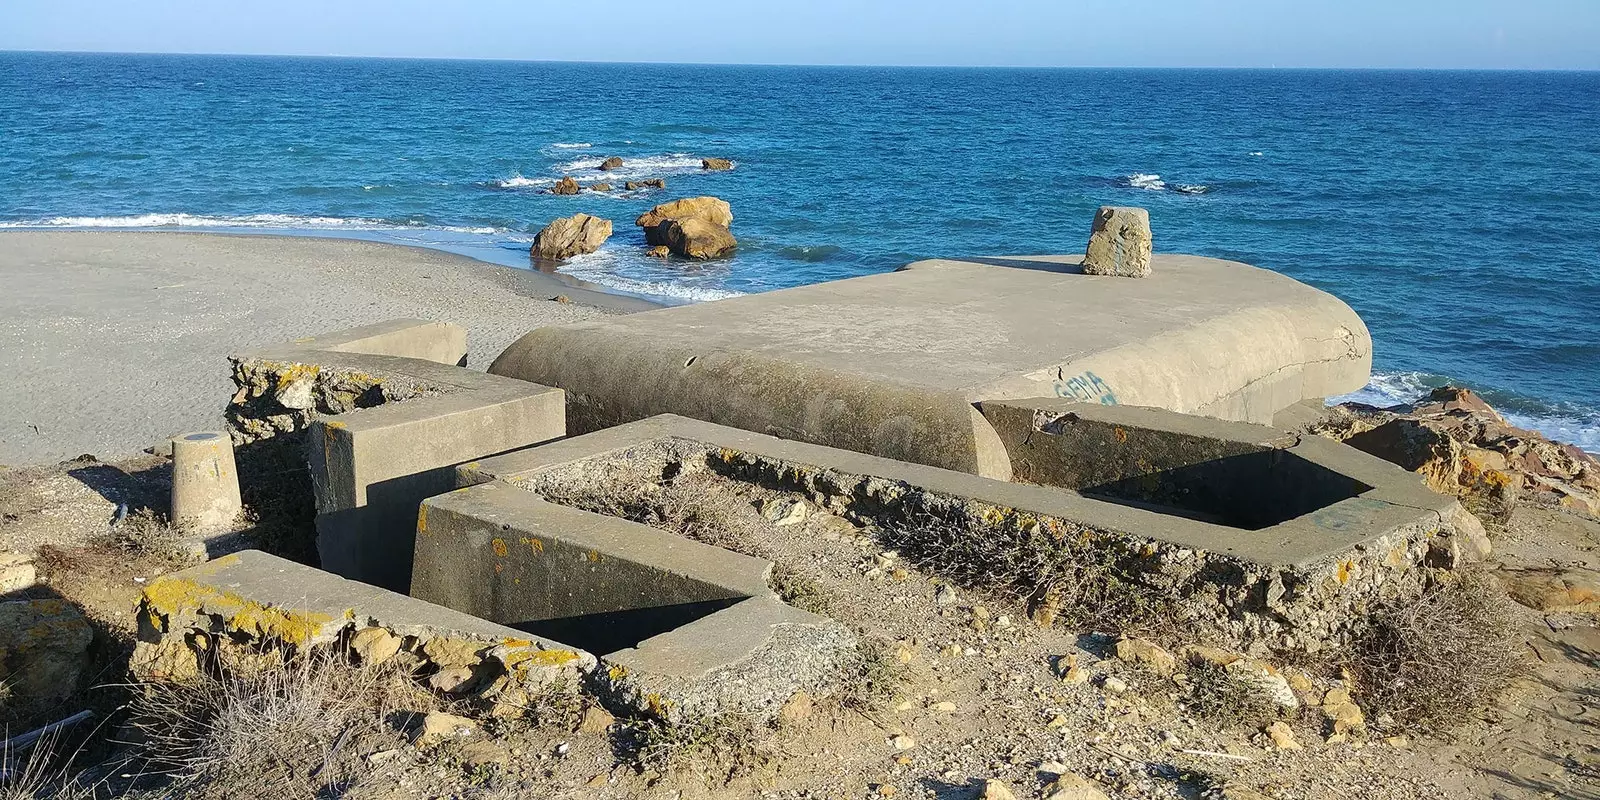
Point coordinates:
pixel 1457 212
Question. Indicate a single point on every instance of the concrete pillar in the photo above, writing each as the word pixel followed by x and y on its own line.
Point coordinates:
pixel 205 484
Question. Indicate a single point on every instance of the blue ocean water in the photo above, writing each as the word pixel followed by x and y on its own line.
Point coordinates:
pixel 1458 212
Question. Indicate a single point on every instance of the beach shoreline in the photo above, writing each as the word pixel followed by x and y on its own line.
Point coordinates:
pixel 111 341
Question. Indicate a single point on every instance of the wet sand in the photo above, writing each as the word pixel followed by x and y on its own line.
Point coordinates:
pixel 113 341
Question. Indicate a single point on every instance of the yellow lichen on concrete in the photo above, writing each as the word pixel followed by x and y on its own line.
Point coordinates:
pixel 499 546
pixel 422 520
pixel 535 544
pixel 289 373
pixel 169 597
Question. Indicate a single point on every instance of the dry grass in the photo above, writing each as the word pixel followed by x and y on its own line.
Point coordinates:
pixel 1060 578
pixel 1436 661
pixel 293 732
pixel 718 748
pixel 1221 698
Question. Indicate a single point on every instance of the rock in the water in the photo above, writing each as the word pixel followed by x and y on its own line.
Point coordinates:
pixel 697 238
pixel 565 186
pixel 1119 243
pixel 659 251
pixel 570 236
pixel 715 164
pixel 611 163
pixel 711 209
pixel 599 187
pixel 653 183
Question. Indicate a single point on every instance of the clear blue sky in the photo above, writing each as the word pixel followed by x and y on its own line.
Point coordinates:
pixel 1497 34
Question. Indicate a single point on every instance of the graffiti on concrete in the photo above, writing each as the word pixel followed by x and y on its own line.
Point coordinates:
pixel 1086 387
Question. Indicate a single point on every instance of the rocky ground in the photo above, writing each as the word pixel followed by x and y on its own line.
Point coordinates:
pixel 964 696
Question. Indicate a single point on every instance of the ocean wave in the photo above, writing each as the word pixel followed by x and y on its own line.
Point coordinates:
pixel 1561 423
pixel 1151 182
pixel 286 221
pixel 519 182
pixel 633 167
pixel 571 145
pixel 632 273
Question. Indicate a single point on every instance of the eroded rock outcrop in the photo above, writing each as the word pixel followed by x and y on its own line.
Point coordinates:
pixel 1461 446
pixel 611 163
pixel 570 236
pixel 715 164
pixel 565 186
pixel 693 227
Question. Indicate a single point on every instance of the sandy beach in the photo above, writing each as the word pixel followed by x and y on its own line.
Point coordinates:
pixel 113 341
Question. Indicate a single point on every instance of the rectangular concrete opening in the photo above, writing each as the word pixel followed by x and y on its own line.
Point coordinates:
pixel 1249 491
pixel 609 631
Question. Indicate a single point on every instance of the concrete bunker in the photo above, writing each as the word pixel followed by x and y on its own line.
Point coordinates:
pixel 1295 585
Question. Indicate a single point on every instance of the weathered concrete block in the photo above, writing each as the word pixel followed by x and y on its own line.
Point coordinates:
pixel 892 364
pixel 1119 243
pixel 205 483
pixel 251 602
pixel 1297 581
pixel 382 432
pixel 439 342
pixel 685 629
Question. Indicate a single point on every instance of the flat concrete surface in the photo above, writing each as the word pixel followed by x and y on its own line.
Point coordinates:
pixel 887 364
pixel 113 341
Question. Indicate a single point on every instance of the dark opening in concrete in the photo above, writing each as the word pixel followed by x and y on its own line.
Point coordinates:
pixel 610 631
pixel 1250 491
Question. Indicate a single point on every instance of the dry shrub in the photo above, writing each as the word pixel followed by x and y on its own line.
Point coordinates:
pixel 1220 697
pixel 799 591
pixel 872 677
pixel 291 732
pixel 1081 584
pixel 719 748
pixel 1435 661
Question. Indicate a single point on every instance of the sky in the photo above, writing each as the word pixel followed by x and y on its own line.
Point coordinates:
pixel 1451 34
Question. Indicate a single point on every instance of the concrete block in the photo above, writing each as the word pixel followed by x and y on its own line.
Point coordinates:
pixel 892 364
pixel 44 647
pixel 439 342
pixel 684 629
pixel 205 483
pixel 255 602
pixel 383 430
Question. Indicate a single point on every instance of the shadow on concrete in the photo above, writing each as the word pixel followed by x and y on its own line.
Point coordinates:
pixel 1016 262
pixel 611 631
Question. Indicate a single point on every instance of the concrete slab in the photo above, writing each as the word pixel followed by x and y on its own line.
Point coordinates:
pixel 685 629
pixel 1355 527
pixel 394 436
pixel 256 603
pixel 891 364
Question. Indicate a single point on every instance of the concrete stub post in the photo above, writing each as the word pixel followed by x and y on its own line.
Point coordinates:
pixel 205 484
pixel 1119 243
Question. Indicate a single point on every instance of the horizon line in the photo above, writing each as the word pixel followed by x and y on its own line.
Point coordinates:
pixel 511 60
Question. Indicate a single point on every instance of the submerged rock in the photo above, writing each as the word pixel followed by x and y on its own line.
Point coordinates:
pixel 570 236
pixel 711 209
pixel 715 164
pixel 659 251
pixel 599 187
pixel 1119 243
pixel 653 183
pixel 611 163
pixel 565 186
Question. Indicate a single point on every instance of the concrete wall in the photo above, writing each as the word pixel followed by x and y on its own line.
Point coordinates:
pixel 891 364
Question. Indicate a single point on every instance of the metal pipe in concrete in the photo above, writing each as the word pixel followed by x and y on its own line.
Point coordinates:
pixel 205 484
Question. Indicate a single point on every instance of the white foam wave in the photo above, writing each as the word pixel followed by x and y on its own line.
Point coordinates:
pixel 1146 180
pixel 632 167
pixel 291 221
pixel 571 145
pixel 520 182
pixel 1388 389
pixel 635 274
pixel 1257 153
pixel 1191 188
